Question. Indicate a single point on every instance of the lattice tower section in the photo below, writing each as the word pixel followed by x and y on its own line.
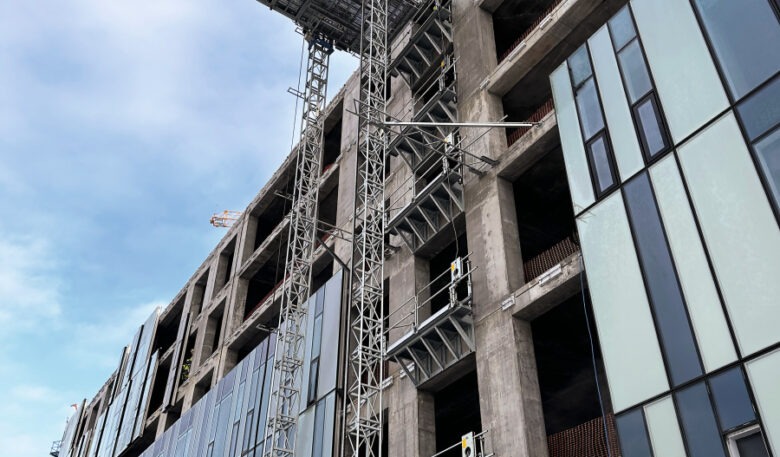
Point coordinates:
pixel 363 412
pixel 287 373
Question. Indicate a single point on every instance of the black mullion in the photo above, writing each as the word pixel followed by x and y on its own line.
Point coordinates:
pixel 705 248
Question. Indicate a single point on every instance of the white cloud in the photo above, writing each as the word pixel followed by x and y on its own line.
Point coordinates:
pixel 29 285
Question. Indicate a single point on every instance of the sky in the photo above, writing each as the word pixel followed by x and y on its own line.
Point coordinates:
pixel 123 127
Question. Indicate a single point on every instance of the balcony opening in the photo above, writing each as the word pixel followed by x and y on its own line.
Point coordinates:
pixel 439 271
pixel 544 215
pixel 514 20
pixel 244 345
pixel 158 388
pixel 526 106
pixel 264 283
pixel 327 208
pixel 225 266
pixel 203 386
pixel 187 359
pixel 319 278
pixel 567 381
pixel 331 149
pixel 457 413
pixel 199 294
pixel 213 334
pixel 168 327
pixel 273 214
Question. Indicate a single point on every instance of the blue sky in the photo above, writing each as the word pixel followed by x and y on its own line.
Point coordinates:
pixel 123 127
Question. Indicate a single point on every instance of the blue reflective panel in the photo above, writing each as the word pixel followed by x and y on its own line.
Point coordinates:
pixel 732 401
pixel 634 69
pixel 651 128
pixel 768 152
pixel 761 111
pixel 314 372
pixel 589 109
pixel 698 422
pixel 632 433
pixel 662 284
pixel 745 35
pixel 319 428
pixel 621 27
pixel 599 159
pixel 579 66
pixel 316 341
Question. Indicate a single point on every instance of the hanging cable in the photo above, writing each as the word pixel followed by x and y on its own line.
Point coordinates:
pixel 593 357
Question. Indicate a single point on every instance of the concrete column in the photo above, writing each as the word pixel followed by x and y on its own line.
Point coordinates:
pixel 509 398
pixel 412 421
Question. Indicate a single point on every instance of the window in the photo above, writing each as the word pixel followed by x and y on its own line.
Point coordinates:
pixel 594 131
pixel 651 132
pixel 314 366
pixel 639 86
pixel 632 433
pixel 748 442
pixel 768 152
pixel 761 111
pixel 698 422
pixel 731 399
pixel 744 35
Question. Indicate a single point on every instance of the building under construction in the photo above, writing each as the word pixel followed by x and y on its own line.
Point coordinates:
pixel 522 228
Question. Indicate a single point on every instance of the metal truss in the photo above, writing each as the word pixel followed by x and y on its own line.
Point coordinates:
pixel 363 402
pixel 287 374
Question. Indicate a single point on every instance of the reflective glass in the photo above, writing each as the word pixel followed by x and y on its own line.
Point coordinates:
pixel 632 434
pixel 589 109
pixel 686 80
pixel 579 65
pixel 752 446
pixel 653 138
pixel 319 426
pixel 622 133
pixel 622 28
pixel 732 401
pixel 768 151
pixel 745 35
pixel 634 71
pixel 698 422
pixel 316 341
pixel 571 140
pixel 314 373
pixel 761 111
pixel 745 251
pixel 662 283
pixel 600 159
pixel 632 358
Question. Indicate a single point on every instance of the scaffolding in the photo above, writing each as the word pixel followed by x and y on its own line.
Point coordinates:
pixel 283 411
pixel 363 402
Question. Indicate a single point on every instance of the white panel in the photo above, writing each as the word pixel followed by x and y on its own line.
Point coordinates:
pixel 739 228
pixel 632 356
pixel 571 140
pixel 305 434
pixel 686 79
pixel 664 429
pixel 763 374
pixel 709 322
pixel 613 98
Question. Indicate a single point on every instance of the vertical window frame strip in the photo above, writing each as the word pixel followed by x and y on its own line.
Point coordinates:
pixel 604 131
pixel 651 94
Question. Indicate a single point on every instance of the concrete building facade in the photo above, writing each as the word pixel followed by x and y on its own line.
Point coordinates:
pixel 603 283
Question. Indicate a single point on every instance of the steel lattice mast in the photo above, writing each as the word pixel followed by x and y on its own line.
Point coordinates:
pixel 363 415
pixel 284 406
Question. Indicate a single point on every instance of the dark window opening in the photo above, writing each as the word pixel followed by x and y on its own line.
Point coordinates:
pixel 564 362
pixel 515 19
pixel 544 215
pixel 439 267
pixel 457 413
pixel 273 214
pixel 158 388
pixel 203 386
pixel 213 334
pixel 526 106
pixel 198 294
pixel 225 265
pixel 168 328
pixel 264 283
pixel 319 279
pixel 328 208
pixel 189 355
pixel 331 147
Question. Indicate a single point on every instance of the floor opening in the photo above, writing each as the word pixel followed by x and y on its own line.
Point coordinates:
pixel 457 413
pixel 439 266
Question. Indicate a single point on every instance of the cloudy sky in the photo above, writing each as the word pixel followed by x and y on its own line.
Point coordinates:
pixel 123 127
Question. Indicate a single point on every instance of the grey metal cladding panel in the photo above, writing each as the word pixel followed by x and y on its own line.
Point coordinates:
pixel 307 350
pixel 147 338
pixel 68 436
pixel 328 435
pixel 205 423
pixel 129 361
pixel 176 364
pixel 331 325
pixel 143 405
pixel 97 435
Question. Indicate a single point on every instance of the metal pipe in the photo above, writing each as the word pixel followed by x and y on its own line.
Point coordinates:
pixel 490 125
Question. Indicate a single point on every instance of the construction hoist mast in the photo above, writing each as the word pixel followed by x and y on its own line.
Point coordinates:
pixel 287 374
pixel 363 411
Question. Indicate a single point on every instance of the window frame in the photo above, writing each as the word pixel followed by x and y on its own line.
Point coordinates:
pixel 652 97
pixel 733 437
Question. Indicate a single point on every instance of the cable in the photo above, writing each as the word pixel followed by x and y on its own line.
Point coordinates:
pixel 593 356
